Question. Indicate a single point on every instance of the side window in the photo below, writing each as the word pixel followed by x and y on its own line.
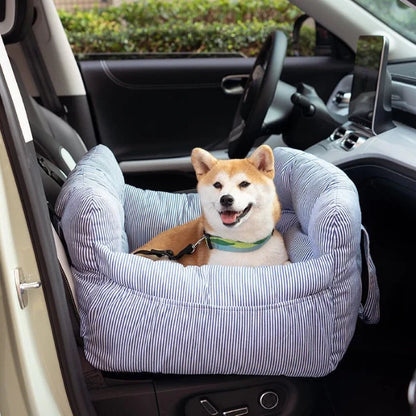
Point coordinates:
pixel 167 27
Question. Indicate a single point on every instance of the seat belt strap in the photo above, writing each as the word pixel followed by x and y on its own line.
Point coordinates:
pixel 370 306
pixel 66 269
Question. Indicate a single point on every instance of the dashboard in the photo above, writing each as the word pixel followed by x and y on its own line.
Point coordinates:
pixel 356 142
pixel 351 143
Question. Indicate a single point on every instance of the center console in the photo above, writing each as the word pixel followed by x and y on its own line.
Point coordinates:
pixel 369 111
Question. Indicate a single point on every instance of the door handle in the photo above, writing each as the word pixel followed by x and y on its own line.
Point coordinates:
pixel 22 286
pixel 234 84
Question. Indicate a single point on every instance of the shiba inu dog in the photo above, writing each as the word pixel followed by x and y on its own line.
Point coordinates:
pixel 240 209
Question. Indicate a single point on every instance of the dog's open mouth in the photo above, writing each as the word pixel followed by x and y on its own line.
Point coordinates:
pixel 230 218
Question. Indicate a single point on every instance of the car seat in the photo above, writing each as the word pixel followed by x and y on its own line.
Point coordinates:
pixel 54 139
pixel 143 316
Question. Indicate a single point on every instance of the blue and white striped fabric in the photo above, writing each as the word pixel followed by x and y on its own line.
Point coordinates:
pixel 141 315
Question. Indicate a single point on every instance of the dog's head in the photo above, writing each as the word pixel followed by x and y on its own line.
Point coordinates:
pixel 237 195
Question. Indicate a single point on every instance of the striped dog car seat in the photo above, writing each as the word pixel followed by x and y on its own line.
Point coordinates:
pixel 140 315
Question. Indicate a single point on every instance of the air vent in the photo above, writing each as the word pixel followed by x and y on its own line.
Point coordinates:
pixel 338 133
pixel 351 140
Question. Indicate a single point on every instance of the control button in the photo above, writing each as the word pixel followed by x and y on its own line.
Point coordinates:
pixel 269 400
pixel 236 412
pixel 209 408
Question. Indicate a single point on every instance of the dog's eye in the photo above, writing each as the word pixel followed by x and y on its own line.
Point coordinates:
pixel 244 184
pixel 217 185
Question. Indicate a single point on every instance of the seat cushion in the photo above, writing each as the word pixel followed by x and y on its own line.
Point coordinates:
pixel 158 316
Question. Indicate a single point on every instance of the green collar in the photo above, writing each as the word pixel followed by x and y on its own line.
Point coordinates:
pixel 224 244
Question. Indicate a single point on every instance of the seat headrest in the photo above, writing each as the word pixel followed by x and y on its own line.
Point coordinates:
pixel 16 18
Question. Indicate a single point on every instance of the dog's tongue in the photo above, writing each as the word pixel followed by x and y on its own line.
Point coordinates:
pixel 229 217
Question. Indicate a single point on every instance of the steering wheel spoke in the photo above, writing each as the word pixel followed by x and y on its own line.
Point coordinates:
pixel 236 132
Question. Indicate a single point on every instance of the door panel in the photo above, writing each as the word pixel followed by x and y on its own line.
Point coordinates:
pixel 157 108
pixel 147 109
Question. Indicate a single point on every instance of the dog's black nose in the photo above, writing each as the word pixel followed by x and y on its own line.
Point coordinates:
pixel 226 200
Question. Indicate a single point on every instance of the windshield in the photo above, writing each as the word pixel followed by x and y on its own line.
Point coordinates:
pixel 395 14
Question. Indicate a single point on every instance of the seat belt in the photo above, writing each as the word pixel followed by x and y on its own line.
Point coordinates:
pixel 93 377
pixel 65 268
pixel 41 76
pixel 370 302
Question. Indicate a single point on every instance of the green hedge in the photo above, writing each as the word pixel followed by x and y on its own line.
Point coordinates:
pixel 213 26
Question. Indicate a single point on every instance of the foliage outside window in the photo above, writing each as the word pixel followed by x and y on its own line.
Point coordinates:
pixel 191 26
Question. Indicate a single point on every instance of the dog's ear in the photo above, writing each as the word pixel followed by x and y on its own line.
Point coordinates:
pixel 263 159
pixel 202 161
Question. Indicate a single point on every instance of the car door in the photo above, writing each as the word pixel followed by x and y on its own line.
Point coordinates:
pixel 147 109
pixel 152 112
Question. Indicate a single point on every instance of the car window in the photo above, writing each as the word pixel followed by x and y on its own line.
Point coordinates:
pixel 171 27
pixel 394 13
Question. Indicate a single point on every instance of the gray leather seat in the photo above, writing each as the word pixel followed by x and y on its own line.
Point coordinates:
pixel 57 144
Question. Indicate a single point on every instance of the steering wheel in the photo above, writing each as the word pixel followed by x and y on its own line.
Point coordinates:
pixel 257 96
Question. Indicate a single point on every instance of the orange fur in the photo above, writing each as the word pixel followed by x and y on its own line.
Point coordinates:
pixel 258 169
pixel 177 238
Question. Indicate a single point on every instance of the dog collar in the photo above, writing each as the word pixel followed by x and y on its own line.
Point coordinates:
pixel 225 244
pixel 212 241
